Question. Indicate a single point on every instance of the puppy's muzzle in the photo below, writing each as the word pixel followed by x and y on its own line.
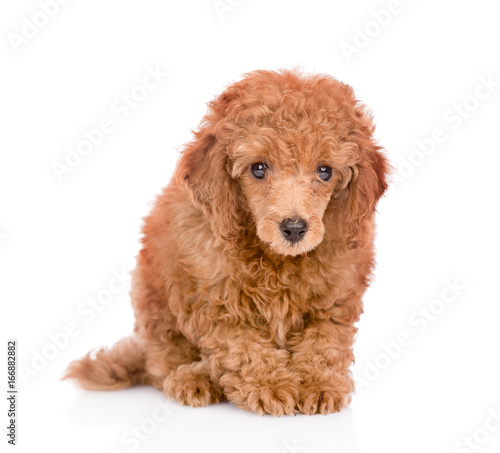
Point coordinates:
pixel 294 229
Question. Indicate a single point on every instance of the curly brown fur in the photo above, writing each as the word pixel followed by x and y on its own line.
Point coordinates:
pixel 225 305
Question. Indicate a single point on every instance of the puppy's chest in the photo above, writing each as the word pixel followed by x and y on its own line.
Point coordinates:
pixel 280 313
pixel 280 302
pixel 276 298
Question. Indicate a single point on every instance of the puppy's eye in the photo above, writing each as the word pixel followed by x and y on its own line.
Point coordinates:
pixel 324 172
pixel 258 170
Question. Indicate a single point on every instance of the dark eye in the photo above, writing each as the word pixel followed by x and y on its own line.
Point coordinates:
pixel 325 173
pixel 258 170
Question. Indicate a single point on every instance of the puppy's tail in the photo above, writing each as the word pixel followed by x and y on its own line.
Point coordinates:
pixel 111 369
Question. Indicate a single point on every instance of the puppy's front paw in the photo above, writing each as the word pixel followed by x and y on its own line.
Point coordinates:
pixel 317 399
pixel 189 386
pixel 277 398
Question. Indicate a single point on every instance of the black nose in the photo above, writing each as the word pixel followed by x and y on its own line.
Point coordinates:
pixel 293 229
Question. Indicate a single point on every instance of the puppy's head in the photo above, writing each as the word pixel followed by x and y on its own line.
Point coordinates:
pixel 292 154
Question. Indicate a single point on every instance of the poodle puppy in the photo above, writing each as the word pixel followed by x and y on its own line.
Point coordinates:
pixel 256 255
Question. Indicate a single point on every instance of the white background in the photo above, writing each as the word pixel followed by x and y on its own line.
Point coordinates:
pixel 438 226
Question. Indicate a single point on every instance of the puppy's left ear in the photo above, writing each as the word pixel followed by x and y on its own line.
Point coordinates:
pixel 367 185
pixel 203 169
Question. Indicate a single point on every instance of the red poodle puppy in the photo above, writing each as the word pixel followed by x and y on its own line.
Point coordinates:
pixel 256 255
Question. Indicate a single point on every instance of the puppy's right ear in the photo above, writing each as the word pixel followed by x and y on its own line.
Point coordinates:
pixel 200 154
pixel 193 156
pixel 203 170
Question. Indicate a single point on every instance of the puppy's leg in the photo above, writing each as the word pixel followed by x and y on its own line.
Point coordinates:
pixel 163 357
pixel 165 347
pixel 322 357
pixel 251 371
pixel 190 384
